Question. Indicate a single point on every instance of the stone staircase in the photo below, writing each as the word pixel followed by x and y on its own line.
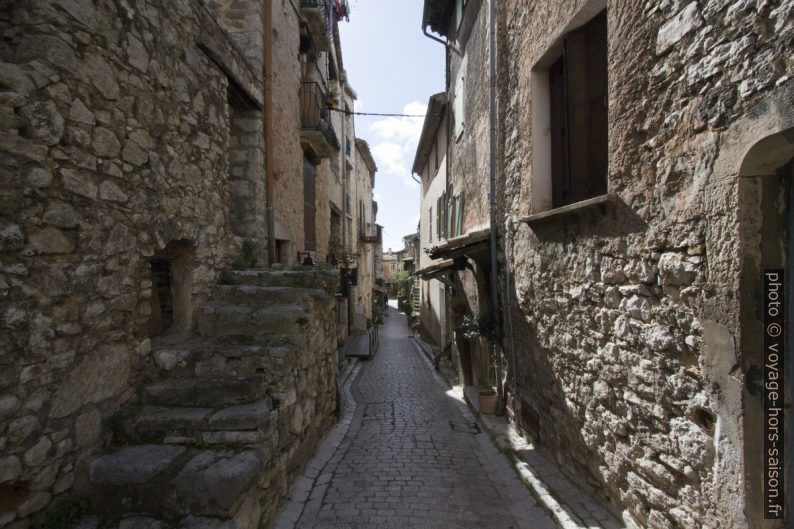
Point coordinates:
pixel 217 431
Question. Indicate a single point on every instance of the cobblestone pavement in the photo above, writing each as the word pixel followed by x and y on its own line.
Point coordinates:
pixel 411 457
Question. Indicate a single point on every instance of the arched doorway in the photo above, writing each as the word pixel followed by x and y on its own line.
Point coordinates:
pixel 766 233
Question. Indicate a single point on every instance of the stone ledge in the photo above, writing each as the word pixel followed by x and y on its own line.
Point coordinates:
pixel 604 203
pixel 224 52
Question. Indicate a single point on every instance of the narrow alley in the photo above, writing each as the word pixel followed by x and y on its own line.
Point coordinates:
pixel 413 456
pixel 313 264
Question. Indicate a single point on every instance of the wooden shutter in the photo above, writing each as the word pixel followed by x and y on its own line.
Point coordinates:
pixel 444 215
pixel 430 224
pixel 576 92
pixel 438 217
pixel 557 126
pixel 459 215
pixel 598 145
pixel 458 106
pixel 580 151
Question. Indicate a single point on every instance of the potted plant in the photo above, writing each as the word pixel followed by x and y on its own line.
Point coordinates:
pixel 487 398
pixel 332 97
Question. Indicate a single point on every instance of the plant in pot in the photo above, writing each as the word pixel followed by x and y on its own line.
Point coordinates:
pixel 332 97
pixel 472 327
pixel 488 400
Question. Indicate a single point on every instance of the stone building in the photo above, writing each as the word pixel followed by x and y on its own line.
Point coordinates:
pixel 466 214
pixel 434 225
pixel 140 349
pixel 644 159
pixel 390 263
pixel 367 234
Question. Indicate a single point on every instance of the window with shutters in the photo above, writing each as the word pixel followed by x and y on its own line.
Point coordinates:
pixel 578 114
pixel 430 224
pixel 458 108
pixel 569 114
pixel 440 217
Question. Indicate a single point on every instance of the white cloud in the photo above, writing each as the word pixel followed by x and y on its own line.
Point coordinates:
pixel 396 141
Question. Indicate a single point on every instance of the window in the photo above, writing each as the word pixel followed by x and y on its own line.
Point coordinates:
pixel 460 5
pixel 577 88
pixel 440 216
pixel 453 217
pixel 430 224
pixel 458 105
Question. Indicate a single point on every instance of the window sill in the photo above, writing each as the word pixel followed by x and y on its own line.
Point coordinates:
pixel 602 203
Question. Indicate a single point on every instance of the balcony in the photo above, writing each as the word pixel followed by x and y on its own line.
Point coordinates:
pixel 317 131
pixel 369 234
pixel 318 19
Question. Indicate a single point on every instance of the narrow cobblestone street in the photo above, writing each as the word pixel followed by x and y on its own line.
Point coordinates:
pixel 412 456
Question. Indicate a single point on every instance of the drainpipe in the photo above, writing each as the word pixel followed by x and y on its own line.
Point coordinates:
pixel 342 172
pixel 492 195
pixel 268 123
pixel 446 43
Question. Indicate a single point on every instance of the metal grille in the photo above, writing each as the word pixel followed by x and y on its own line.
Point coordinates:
pixel 315 114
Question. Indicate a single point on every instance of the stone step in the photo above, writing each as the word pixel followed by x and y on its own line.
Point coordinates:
pixel 265 296
pixel 211 392
pixel 170 482
pixel 327 280
pixel 221 319
pixel 208 357
pixel 254 423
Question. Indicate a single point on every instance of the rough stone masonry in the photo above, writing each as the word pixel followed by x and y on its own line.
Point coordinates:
pixel 115 146
pixel 635 328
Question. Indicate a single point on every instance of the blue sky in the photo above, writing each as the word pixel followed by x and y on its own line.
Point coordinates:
pixel 393 68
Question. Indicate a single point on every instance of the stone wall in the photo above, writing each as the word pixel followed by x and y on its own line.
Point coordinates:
pixel 628 324
pixel 288 153
pixel 468 172
pixel 468 154
pixel 114 143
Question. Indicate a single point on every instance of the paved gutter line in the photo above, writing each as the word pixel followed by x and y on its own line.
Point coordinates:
pixel 471 414
pixel 525 473
pixel 425 349
pixel 304 485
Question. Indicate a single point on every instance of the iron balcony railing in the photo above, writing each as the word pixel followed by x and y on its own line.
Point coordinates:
pixel 315 114
pixel 368 234
pixel 319 9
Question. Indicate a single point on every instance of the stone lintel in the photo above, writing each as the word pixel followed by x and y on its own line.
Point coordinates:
pixel 222 50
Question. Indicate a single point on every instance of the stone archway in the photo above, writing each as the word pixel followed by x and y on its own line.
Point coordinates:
pixel 738 217
pixel 766 229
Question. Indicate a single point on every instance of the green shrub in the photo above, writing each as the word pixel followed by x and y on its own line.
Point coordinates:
pixel 247 256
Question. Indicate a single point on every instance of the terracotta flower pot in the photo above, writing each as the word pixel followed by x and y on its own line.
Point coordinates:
pixel 488 399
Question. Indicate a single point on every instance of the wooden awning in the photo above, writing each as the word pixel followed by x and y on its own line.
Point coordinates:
pixel 471 244
pixel 436 269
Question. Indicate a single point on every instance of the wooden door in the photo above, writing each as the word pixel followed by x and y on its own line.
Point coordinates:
pixel 309 206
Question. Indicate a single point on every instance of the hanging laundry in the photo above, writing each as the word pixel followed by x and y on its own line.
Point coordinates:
pixel 346 10
pixel 338 15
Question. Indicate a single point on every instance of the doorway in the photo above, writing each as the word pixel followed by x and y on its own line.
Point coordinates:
pixel 309 205
pixel 170 303
pixel 766 191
